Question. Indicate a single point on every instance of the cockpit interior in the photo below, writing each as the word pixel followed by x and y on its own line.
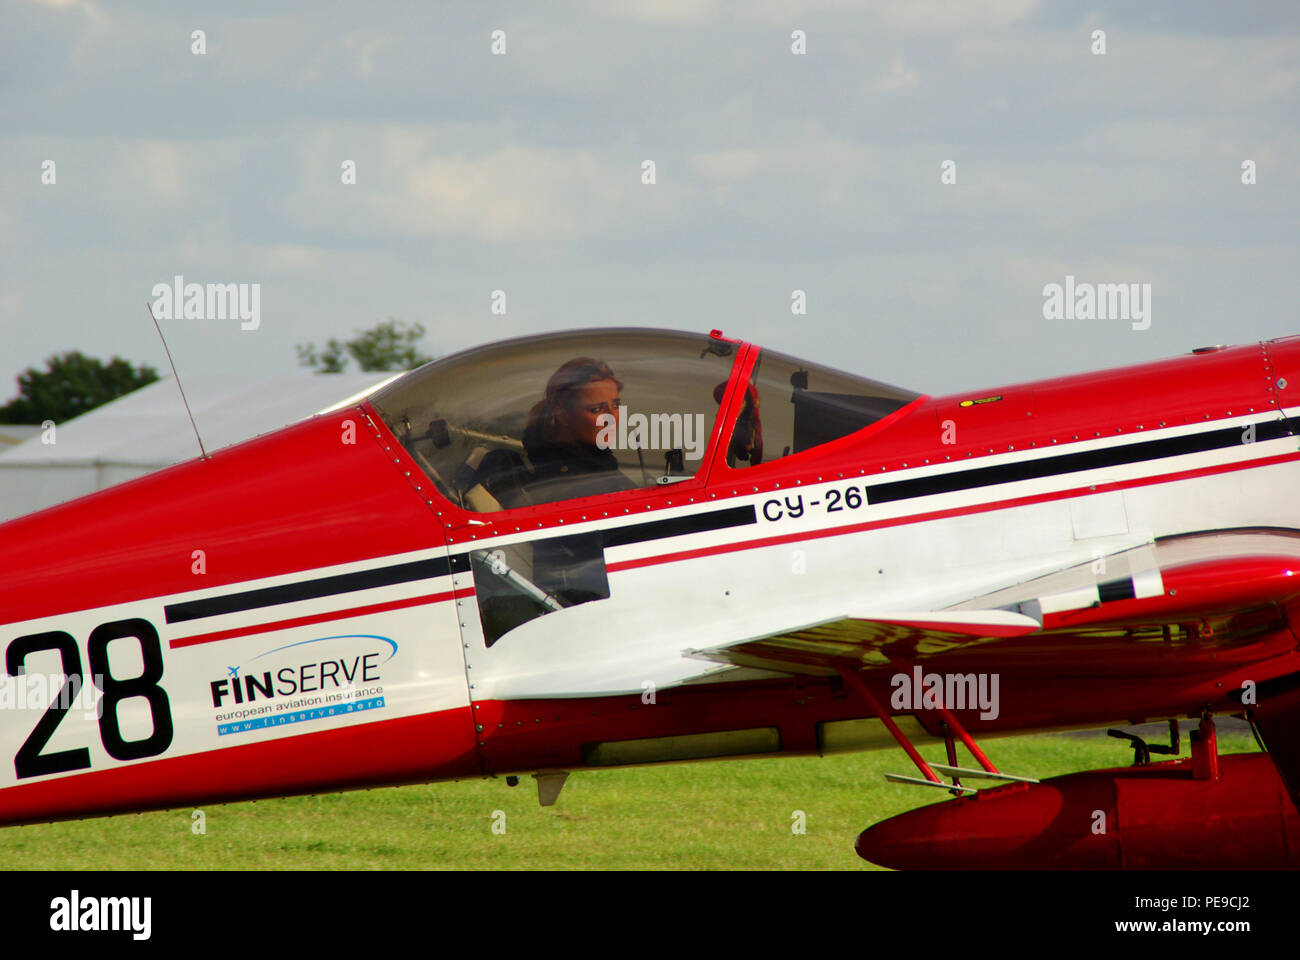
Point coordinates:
pixel 565 415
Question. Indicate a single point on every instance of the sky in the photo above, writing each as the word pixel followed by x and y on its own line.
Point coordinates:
pixel 774 171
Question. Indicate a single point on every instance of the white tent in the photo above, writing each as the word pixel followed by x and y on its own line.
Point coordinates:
pixel 147 430
pixel 12 434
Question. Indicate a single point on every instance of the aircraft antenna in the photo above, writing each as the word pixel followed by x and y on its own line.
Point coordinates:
pixel 170 361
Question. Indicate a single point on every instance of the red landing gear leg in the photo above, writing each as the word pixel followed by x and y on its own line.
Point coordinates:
pixel 853 680
pixel 1205 750
pixel 951 725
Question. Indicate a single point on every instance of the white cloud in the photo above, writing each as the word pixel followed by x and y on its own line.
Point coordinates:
pixel 659 11
pixel 409 186
pixel 821 158
pixel 368 48
pixel 89 8
pixel 730 164
pixel 291 258
pixel 899 77
pixel 933 16
pixel 161 167
pixel 515 194
pixel 8 230
pixel 918 15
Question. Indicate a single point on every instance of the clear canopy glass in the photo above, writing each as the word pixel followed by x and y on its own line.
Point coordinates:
pixel 564 415
pixel 792 405
pixel 561 415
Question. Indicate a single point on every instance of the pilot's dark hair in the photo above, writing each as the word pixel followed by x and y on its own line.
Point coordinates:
pixel 561 392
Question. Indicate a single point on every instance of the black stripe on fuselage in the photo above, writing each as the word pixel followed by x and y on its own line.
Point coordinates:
pixel 1072 462
pixel 680 526
pixel 437 567
pixel 314 589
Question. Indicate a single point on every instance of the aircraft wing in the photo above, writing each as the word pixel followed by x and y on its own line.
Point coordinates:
pixel 1217 590
pixel 867 640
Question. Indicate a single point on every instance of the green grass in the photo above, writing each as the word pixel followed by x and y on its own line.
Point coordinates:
pixel 701 816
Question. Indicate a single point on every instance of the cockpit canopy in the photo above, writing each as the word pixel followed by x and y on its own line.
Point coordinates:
pixel 565 415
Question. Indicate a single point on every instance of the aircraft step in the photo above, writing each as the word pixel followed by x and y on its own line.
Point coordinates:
pixel 921 782
pixel 979 774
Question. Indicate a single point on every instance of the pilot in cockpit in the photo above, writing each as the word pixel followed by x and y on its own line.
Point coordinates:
pixel 561 438
pixel 561 433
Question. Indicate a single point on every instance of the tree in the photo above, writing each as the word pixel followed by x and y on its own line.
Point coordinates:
pixel 71 384
pixel 386 346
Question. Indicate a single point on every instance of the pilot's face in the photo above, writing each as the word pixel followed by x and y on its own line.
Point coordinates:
pixel 582 422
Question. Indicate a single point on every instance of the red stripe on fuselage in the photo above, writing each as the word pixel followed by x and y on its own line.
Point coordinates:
pixel 313 618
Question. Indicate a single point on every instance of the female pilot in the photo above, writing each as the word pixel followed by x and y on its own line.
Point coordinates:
pixel 560 436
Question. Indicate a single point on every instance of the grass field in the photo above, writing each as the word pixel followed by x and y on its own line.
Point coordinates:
pixel 702 816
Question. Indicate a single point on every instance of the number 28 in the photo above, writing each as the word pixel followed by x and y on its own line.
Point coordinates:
pixel 29 761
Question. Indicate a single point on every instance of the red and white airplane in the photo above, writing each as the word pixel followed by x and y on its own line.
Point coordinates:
pixel 621 546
